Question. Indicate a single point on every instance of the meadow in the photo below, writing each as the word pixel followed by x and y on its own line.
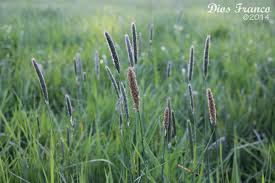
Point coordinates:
pixel 77 128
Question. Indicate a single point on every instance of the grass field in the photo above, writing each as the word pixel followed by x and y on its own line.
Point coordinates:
pixel 38 142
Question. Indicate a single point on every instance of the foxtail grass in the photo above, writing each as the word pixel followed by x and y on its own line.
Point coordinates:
pixel 191 97
pixel 132 81
pixel 213 120
pixel 133 87
pixel 206 56
pixel 191 63
pixel 166 125
pixel 170 119
pixel 135 43
pixel 129 50
pixel 168 70
pixel 69 109
pixel 192 138
pixel 44 90
pixel 211 107
pixel 41 81
pixel 205 73
pixel 113 51
pixel 166 119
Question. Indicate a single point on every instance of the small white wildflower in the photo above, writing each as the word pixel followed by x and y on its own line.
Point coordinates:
pixel 178 28
pixel 183 71
pixel 163 48
pixel 269 59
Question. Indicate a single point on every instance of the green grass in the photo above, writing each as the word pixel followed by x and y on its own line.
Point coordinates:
pixel 33 141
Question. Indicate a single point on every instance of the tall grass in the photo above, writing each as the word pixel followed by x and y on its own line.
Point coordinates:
pixel 113 140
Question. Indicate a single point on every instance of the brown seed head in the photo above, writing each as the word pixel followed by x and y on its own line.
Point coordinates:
pixel 133 87
pixel 166 119
pixel 211 107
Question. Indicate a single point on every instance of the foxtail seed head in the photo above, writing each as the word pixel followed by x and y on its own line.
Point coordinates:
pixel 166 119
pixel 129 50
pixel 168 69
pixel 41 80
pixel 112 51
pixel 211 107
pixel 69 108
pixel 135 46
pixel 133 87
pixel 206 56
pixel 191 97
pixel 170 117
pixel 191 63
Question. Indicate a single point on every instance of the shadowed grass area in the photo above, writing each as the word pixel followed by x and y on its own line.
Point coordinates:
pixel 38 144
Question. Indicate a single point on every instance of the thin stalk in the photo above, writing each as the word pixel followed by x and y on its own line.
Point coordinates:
pixel 208 166
pixel 163 153
pixel 52 118
pixel 213 135
pixel 220 148
pixel 217 150
pixel 195 138
pixel 169 162
pixel 127 133
pixel 192 138
pixel 121 138
pixel 205 129
pixel 135 142
pixel 205 106
pixel 142 139
pixel 141 133
pixel 62 152
pixel 191 145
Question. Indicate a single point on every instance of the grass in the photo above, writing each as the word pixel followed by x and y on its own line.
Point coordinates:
pixel 34 142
